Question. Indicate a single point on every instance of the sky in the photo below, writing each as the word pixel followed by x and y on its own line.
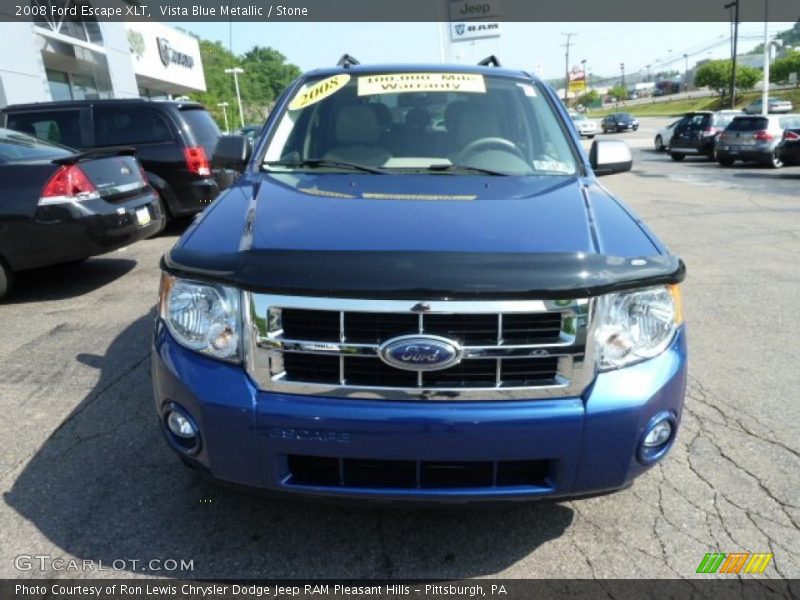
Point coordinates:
pixel 537 47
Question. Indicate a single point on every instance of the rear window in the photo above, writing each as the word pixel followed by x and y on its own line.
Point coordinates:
pixel 748 124
pixel 203 127
pixel 16 146
pixel 121 125
pixel 59 126
pixel 789 122
pixel 722 121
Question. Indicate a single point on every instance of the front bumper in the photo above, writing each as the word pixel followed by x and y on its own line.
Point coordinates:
pixel 586 444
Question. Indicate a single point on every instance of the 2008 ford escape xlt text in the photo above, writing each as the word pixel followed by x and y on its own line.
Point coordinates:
pixel 417 290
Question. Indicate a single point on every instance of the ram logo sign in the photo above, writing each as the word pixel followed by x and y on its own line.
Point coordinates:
pixel 734 563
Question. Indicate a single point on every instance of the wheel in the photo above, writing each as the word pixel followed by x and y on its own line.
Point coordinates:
pixel 591 137
pixel 775 161
pixel 162 206
pixel 660 144
pixel 5 278
pixel 725 162
pixel 677 156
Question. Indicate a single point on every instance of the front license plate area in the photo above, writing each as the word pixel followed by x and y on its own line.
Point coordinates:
pixel 143 216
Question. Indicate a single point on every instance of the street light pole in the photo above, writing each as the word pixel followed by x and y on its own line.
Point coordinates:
pixel 765 92
pixel 622 70
pixel 224 106
pixel 236 72
pixel 735 6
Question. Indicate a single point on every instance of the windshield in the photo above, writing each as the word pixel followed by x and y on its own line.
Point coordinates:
pixel 447 123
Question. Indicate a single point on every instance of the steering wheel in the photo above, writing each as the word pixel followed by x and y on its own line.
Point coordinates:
pixel 490 143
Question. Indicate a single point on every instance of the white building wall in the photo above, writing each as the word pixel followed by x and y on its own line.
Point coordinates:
pixel 22 76
pixel 118 55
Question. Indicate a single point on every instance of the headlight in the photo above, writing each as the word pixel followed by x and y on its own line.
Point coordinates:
pixel 633 326
pixel 201 316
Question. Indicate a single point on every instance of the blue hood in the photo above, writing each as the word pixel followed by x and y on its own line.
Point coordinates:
pixel 419 213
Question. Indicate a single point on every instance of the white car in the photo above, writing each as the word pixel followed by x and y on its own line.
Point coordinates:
pixel 663 136
pixel 584 126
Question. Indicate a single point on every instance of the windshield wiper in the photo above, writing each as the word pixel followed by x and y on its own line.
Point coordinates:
pixel 453 167
pixel 323 162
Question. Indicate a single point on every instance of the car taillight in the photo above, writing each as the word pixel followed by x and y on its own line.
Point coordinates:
pixel 68 184
pixel 762 136
pixel 197 161
pixel 709 131
pixel 791 136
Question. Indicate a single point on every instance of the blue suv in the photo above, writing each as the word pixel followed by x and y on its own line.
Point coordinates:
pixel 417 290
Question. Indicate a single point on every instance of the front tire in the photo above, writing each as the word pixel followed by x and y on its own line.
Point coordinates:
pixel 775 161
pixel 676 156
pixel 725 162
pixel 660 144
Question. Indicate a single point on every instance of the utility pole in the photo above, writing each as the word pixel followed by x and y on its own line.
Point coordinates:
pixel 648 72
pixel 735 6
pixel 566 70
pixel 622 70
pixel 236 72
pixel 686 73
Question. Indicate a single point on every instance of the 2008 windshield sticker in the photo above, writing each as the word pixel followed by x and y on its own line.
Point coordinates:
pixel 393 83
pixel 318 91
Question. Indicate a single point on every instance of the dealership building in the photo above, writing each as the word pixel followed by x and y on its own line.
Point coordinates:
pixel 48 59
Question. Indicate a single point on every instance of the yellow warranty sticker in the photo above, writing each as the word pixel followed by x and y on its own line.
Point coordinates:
pixel 318 91
pixel 393 83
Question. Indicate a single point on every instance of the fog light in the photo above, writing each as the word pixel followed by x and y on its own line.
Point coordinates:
pixel 657 438
pixel 180 425
pixel 659 434
pixel 181 429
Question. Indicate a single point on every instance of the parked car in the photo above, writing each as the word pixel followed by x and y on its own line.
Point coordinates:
pixel 663 136
pixel 755 139
pixel 585 126
pixel 473 319
pixel 789 148
pixel 174 141
pixel 774 105
pixel 696 133
pixel 61 205
pixel 616 122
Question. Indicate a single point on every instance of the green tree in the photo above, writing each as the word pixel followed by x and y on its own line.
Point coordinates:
pixel 589 98
pixel 266 74
pixel 716 75
pixel 783 67
pixel 619 91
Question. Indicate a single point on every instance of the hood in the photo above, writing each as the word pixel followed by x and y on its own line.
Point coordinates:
pixel 455 213
pixel 426 237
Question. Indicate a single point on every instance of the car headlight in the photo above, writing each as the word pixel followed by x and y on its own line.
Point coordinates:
pixel 634 326
pixel 202 316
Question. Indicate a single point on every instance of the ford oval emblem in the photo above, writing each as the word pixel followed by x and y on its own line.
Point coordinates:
pixel 420 352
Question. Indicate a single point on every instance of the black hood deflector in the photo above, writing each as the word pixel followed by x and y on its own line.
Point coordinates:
pixel 425 275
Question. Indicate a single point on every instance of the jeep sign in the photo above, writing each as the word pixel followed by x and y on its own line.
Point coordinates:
pixel 467 10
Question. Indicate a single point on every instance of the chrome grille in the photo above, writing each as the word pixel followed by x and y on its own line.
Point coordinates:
pixel 328 346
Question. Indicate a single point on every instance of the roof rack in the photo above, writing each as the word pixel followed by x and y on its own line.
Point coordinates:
pixel 490 61
pixel 347 61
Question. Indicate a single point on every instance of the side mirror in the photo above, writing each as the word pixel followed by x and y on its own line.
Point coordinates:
pixel 233 152
pixel 610 156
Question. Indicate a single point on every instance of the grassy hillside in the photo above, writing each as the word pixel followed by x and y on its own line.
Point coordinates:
pixel 676 108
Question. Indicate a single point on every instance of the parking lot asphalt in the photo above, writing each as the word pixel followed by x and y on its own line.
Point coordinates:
pixel 85 473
